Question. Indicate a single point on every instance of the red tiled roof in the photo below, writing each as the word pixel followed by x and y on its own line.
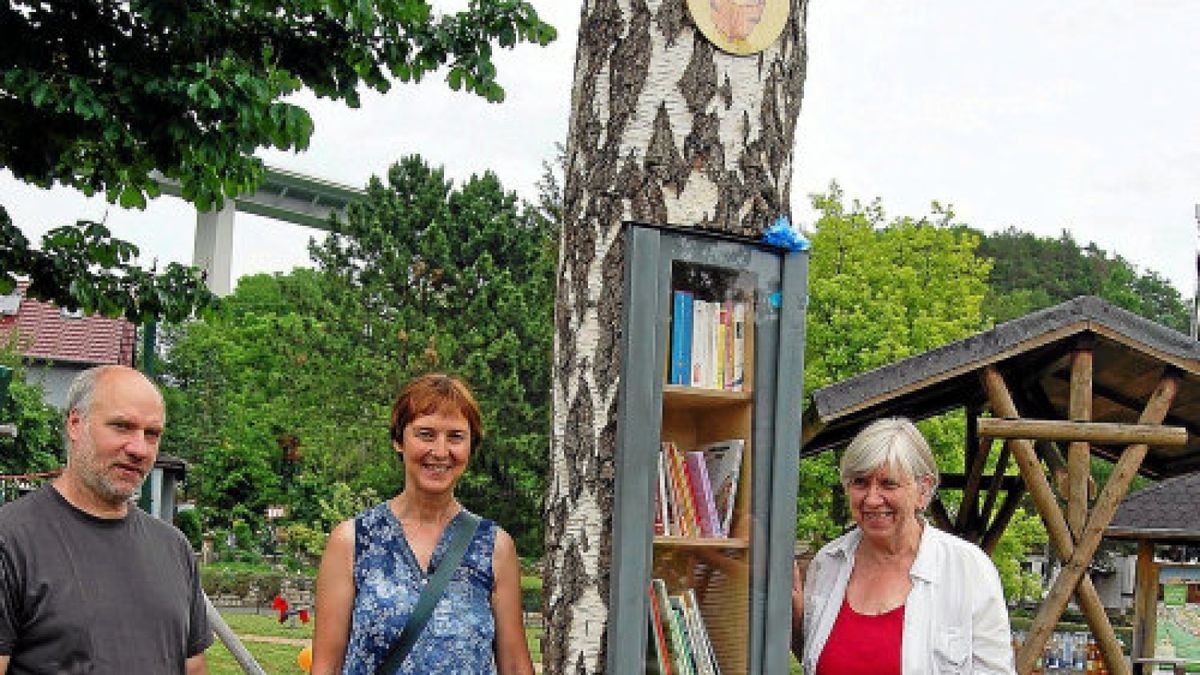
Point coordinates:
pixel 46 333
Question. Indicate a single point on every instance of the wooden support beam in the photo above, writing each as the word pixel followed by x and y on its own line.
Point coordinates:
pixel 968 510
pixel 939 515
pixel 957 481
pixel 997 482
pixel 1002 404
pixel 1079 452
pixel 1145 601
pixel 1092 432
pixel 991 537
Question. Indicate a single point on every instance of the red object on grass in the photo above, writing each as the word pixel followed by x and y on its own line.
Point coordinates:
pixel 304 615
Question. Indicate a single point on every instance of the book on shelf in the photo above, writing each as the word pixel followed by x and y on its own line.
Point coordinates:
pixel 663 501
pixel 702 650
pixel 707 342
pixel 720 350
pixel 738 337
pixel 685 507
pixel 702 494
pixel 681 338
pixel 724 463
pixel 657 654
pixel 702 344
pixel 671 629
pixel 685 636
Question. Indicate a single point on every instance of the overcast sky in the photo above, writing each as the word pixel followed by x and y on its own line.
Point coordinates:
pixel 1076 115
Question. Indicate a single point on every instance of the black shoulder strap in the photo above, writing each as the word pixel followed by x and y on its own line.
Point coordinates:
pixel 464 532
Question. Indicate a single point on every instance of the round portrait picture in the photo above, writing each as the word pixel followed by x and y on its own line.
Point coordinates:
pixel 740 26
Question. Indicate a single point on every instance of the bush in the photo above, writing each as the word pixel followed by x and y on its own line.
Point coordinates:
pixel 240 579
pixel 188 523
pixel 531 594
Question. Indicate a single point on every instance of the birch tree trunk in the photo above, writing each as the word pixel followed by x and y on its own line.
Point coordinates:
pixel 665 128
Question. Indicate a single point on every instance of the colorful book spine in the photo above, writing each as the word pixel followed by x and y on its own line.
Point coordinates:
pixel 681 338
pixel 702 343
pixel 689 658
pixel 710 522
pixel 706 662
pixel 663 501
pixel 658 635
pixel 689 526
pixel 738 349
pixel 671 629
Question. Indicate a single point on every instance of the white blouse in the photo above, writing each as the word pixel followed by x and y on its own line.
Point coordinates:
pixel 955 619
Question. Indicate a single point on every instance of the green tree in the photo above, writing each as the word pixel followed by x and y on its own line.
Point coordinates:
pixel 421 275
pixel 459 280
pixel 880 291
pixel 38 444
pixel 105 96
pixel 1031 272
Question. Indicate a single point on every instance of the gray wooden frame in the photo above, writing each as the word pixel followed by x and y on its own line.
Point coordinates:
pixel 780 304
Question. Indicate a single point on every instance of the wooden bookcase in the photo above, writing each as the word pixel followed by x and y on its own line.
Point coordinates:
pixel 741 581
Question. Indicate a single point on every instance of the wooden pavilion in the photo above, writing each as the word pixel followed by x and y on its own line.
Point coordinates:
pixel 1080 379
pixel 1166 514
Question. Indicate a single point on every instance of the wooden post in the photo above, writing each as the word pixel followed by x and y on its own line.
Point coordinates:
pixel 1060 537
pixel 1145 600
pixel 1079 452
pixel 975 456
pixel 937 513
pixel 991 536
pixel 997 482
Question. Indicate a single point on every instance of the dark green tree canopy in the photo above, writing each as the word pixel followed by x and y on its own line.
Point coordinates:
pixel 99 95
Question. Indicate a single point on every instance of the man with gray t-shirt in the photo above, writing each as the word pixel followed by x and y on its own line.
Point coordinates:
pixel 88 584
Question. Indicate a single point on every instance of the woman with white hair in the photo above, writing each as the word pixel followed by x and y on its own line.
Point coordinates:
pixel 895 595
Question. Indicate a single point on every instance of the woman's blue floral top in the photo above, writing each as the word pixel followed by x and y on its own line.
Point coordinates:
pixel 388 580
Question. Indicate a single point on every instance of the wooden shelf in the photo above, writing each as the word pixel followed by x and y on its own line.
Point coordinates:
pixel 702 542
pixel 697 397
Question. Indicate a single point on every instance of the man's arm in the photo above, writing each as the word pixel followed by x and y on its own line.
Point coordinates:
pixel 196 665
pixel 3 664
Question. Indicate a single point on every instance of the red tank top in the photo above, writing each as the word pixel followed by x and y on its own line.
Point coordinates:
pixel 863 645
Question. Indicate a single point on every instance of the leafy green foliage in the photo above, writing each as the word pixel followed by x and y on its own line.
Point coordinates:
pixel 84 268
pixel 99 95
pixel 38 444
pixel 420 276
pixel 111 97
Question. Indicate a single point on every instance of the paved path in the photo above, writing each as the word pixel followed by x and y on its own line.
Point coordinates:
pixel 274 639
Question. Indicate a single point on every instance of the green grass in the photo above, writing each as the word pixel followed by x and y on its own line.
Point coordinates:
pixel 266 624
pixel 274 659
pixel 278 659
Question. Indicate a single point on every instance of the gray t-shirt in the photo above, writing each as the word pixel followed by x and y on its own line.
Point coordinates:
pixel 80 594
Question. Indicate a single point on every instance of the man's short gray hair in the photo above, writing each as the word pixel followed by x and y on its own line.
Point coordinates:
pixel 83 389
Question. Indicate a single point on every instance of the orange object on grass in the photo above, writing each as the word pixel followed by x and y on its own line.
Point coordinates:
pixel 304 658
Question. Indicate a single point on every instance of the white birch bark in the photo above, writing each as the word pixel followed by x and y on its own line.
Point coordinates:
pixel 665 128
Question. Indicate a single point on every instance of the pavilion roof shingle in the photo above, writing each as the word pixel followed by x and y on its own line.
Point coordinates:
pixel 1165 511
